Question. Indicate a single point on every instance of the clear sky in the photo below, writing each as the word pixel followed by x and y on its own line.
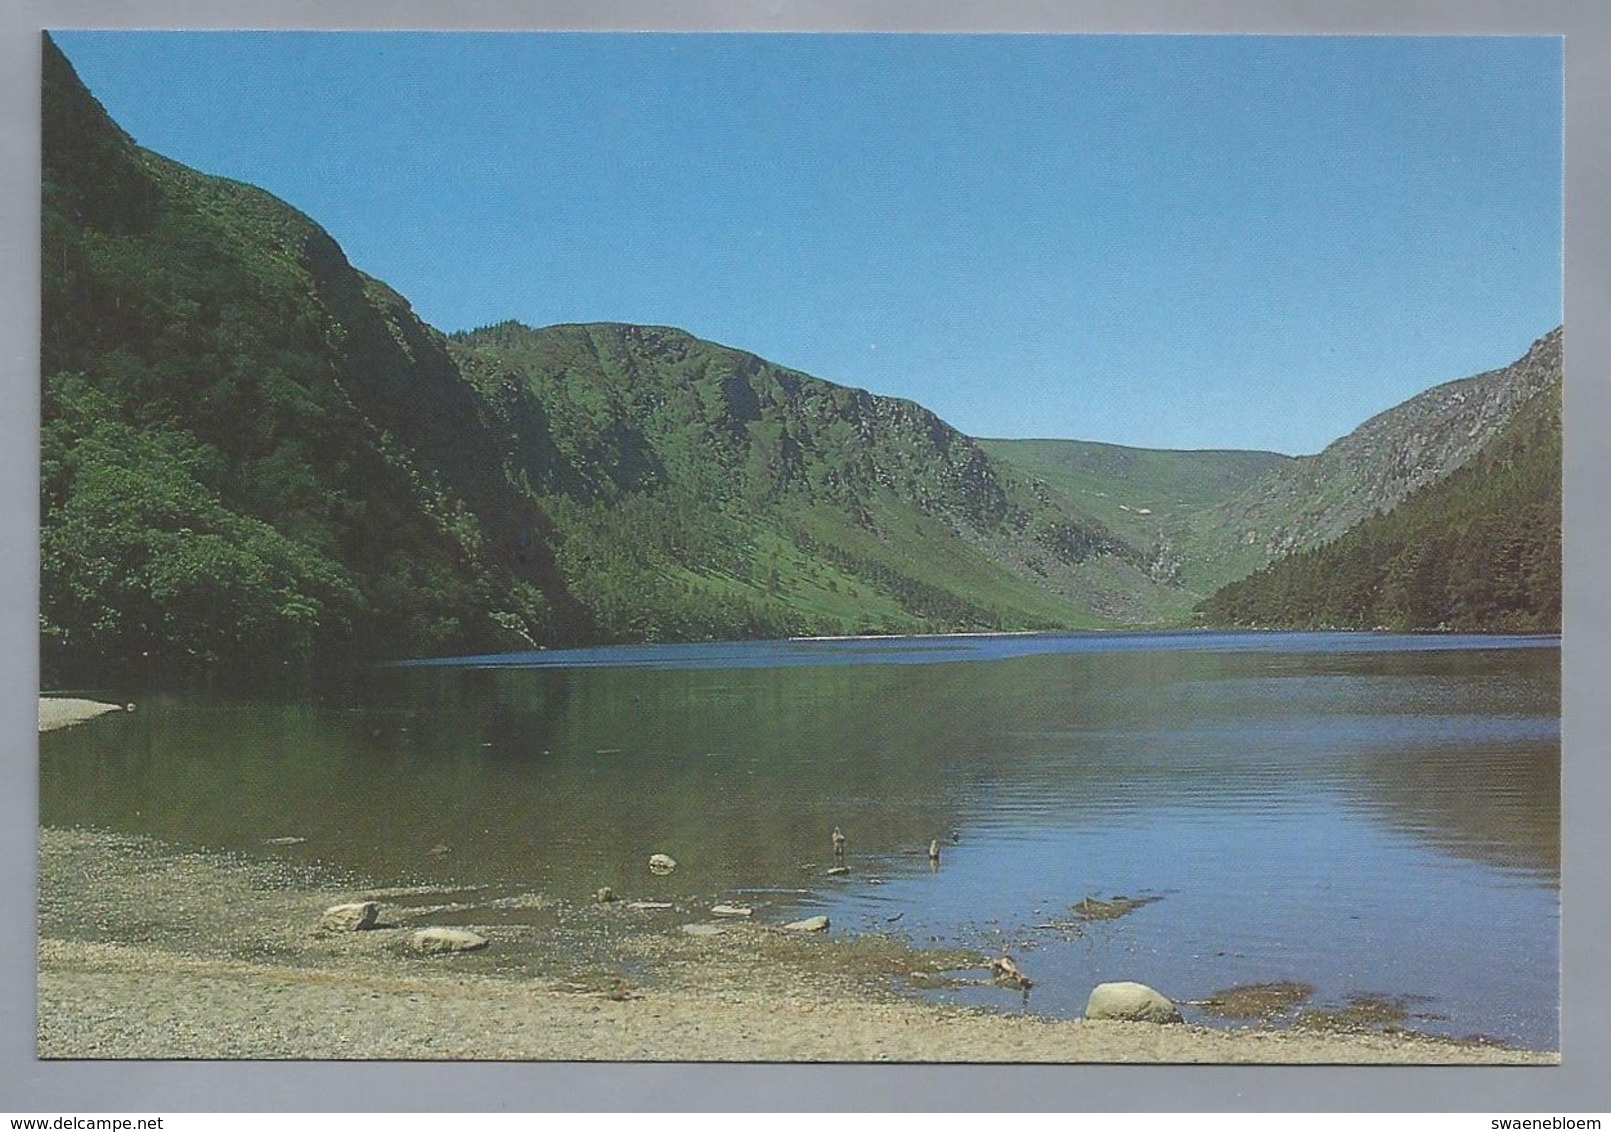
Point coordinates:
pixel 1173 242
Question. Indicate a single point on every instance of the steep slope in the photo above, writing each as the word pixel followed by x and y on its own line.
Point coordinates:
pixel 1479 550
pixel 254 456
pixel 698 483
pixel 1166 501
pixel 251 453
pixel 1312 500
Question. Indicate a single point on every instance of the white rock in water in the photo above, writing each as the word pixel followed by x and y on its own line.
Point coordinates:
pixel 1130 1002
pixel 731 910
pixel 350 917
pixel 438 941
pixel 811 924
pixel 660 863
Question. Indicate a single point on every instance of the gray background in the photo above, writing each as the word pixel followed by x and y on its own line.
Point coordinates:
pixel 1579 1084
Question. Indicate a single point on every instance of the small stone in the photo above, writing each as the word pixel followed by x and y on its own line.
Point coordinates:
pixel 731 910
pixel 660 863
pixel 838 871
pixel 441 941
pixel 284 840
pixel 1130 1002
pixel 350 917
pixel 605 895
pixel 810 924
pixel 704 929
pixel 650 906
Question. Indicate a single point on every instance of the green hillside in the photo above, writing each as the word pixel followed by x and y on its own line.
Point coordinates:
pixel 1479 551
pixel 252 455
pixel 702 491
pixel 1166 501
pixel 256 457
pixel 1310 501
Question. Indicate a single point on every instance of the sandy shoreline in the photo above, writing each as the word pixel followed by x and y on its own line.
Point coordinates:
pixel 150 951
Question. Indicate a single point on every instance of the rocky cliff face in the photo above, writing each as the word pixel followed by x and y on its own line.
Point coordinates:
pixel 1311 501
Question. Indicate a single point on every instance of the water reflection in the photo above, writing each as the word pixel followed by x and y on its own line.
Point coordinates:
pixel 1275 796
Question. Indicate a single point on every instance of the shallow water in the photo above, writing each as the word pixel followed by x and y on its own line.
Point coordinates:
pixel 1367 813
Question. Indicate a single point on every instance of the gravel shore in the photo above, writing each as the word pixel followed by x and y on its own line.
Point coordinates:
pixel 147 951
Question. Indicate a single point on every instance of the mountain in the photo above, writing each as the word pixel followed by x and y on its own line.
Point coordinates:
pixel 700 490
pixel 1171 502
pixel 1216 517
pixel 1310 501
pixel 254 455
pixel 1478 550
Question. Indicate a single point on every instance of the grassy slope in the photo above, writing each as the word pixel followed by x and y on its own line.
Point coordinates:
pixel 1155 498
pixel 815 507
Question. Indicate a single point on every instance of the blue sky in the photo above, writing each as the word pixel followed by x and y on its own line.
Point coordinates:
pixel 1174 242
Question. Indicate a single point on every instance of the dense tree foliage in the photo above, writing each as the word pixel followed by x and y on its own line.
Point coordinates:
pixel 1479 551
pixel 226 479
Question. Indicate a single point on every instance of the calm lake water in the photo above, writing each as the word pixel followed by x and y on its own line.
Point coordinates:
pixel 1371 814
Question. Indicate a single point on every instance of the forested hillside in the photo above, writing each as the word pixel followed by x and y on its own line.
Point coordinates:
pixel 1309 501
pixel 251 453
pixel 1478 551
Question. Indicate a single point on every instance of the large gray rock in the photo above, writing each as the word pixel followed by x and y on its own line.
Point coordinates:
pixel 350 917
pixel 661 863
pixel 810 924
pixel 1129 1002
pixel 441 941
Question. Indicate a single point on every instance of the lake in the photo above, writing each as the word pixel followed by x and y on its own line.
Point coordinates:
pixel 1368 813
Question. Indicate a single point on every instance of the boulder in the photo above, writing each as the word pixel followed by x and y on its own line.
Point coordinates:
pixel 838 871
pixel 704 929
pixel 441 941
pixel 605 895
pixel 810 924
pixel 1129 1002
pixel 350 917
pixel 731 910
pixel 660 863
